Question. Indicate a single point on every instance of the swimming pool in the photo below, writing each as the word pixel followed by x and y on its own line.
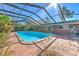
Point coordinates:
pixel 31 36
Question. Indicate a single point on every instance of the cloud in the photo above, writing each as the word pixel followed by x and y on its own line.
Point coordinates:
pixel 54 5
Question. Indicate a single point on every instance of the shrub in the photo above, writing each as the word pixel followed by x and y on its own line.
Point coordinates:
pixel 5 28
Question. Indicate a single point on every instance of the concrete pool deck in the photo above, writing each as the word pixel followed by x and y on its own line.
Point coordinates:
pixel 64 46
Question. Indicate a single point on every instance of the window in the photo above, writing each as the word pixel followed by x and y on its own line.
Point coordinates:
pixel 58 27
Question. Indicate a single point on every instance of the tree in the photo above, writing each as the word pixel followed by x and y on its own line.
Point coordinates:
pixel 65 12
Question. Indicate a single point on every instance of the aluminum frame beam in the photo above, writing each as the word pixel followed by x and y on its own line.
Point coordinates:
pixel 18 14
pixel 61 12
pixel 12 5
pixel 41 8
pixel 17 17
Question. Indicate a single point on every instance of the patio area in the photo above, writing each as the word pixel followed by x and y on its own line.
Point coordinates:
pixel 62 46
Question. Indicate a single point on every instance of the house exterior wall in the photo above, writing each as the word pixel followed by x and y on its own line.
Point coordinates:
pixel 56 28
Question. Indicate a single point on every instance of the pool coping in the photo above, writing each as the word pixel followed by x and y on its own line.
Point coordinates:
pixel 30 43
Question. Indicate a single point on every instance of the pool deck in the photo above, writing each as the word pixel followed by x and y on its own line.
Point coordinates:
pixel 63 45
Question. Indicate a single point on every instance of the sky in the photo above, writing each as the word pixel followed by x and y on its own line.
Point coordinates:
pixel 52 9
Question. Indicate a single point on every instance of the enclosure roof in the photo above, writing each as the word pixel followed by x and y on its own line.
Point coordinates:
pixel 38 13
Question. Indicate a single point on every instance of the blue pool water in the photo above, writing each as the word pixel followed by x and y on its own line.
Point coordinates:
pixel 30 36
